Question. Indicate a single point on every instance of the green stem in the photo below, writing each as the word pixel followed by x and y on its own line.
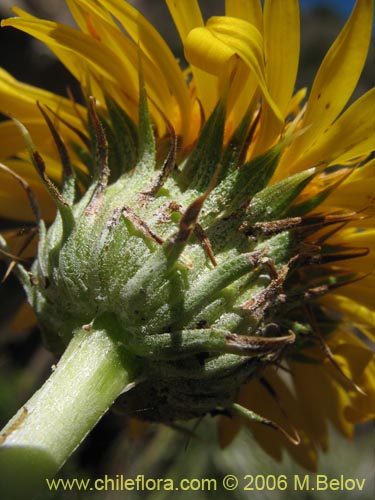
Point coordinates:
pixel 52 424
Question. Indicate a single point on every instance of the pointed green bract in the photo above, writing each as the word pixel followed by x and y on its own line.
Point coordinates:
pixel 65 210
pixel 251 178
pixel 174 259
pixel 273 202
pixel 122 137
pixel 236 146
pixel 204 160
pixel 146 151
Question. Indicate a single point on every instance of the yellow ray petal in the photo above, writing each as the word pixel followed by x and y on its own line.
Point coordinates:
pixel 352 135
pixel 364 264
pixel 336 79
pixel 360 238
pixel 295 104
pixel 362 407
pixel 187 15
pixel 246 42
pixel 24 319
pixel 12 142
pixel 293 418
pixel 83 20
pixel 228 428
pixel 357 236
pixel 341 340
pixel 352 311
pixel 252 13
pixel 13 201
pixel 98 24
pixel 241 95
pixel 223 38
pixel 353 359
pixel 248 11
pixel 80 53
pixel 203 49
pixel 331 398
pixel 357 192
pixel 19 99
pixel 75 49
pixel 79 17
pixel 157 50
pixel 71 46
pixel 361 291
pixel 282 42
pixel 309 394
pixel 96 21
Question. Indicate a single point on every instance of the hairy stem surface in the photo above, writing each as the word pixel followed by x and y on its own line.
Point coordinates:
pixel 50 426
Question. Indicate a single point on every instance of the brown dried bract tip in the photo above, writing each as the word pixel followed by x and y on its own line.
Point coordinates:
pixel 141 225
pixel 254 417
pixel 317 335
pixel 310 223
pixel 16 259
pixel 258 304
pixel 41 166
pixel 190 217
pixel 30 195
pixel 168 165
pixel 14 426
pixel 259 345
pixel 101 159
pixel 249 138
pixel 61 148
pixel 200 233
pixel 76 131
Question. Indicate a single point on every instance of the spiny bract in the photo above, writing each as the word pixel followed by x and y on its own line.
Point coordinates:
pixel 204 215
pixel 194 264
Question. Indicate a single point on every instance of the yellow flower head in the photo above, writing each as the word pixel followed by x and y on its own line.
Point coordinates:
pixel 259 168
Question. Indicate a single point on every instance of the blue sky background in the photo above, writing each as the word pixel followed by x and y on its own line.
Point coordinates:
pixel 344 7
pixel 341 7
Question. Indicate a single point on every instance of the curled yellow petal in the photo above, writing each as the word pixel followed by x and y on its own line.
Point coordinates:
pixel 187 15
pixel 223 38
pixel 204 50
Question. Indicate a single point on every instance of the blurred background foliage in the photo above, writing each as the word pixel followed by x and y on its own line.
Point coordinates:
pixel 160 451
